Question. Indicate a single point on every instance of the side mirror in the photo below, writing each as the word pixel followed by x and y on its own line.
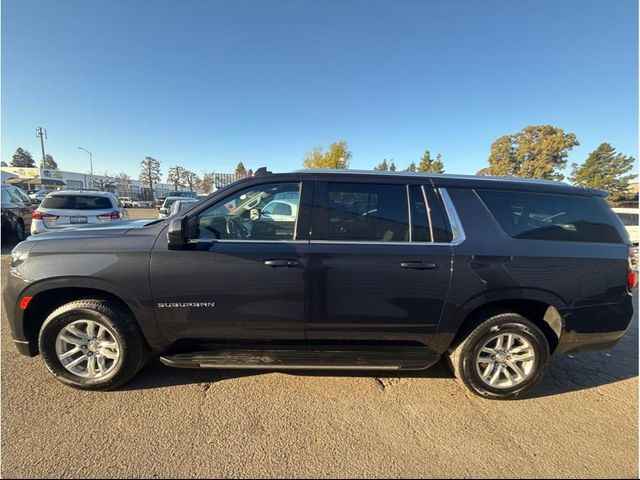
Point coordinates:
pixel 177 237
pixel 163 210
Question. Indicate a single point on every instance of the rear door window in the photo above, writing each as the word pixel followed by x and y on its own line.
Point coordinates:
pixel 540 216
pixel 365 212
pixel 370 212
pixel 77 202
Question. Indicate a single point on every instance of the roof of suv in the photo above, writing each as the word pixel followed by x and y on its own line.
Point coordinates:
pixel 475 181
pixel 82 192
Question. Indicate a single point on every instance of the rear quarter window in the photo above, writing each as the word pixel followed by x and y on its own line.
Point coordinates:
pixel 541 216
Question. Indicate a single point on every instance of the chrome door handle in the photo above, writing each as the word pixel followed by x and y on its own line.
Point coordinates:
pixel 282 263
pixel 418 265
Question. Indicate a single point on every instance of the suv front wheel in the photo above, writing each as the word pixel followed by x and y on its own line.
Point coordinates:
pixel 503 357
pixel 92 345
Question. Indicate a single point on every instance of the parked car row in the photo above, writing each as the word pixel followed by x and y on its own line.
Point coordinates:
pixel 128 202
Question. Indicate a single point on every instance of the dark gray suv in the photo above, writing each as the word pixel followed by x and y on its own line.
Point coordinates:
pixel 363 271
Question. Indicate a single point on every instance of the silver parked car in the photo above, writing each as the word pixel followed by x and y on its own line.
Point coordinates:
pixel 163 211
pixel 181 205
pixel 68 208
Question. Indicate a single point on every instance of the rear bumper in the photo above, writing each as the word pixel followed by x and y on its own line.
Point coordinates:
pixel 595 327
pixel 586 342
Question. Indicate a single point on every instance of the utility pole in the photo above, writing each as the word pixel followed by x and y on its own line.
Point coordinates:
pixel 90 166
pixel 42 133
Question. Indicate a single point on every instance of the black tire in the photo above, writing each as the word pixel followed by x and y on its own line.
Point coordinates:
pixel 462 358
pixel 20 233
pixel 134 350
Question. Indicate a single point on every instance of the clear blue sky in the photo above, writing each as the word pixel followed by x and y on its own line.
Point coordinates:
pixel 206 83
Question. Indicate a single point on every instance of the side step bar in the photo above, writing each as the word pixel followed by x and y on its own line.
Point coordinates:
pixel 410 359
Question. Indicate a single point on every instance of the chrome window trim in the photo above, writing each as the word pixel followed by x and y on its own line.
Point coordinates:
pixel 457 231
pixel 454 220
pixel 228 240
pixel 426 202
pixel 408 191
pixel 363 242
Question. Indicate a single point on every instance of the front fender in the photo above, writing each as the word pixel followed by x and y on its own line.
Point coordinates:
pixel 125 276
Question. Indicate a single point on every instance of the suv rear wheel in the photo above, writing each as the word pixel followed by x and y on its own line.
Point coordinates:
pixel 92 345
pixel 503 357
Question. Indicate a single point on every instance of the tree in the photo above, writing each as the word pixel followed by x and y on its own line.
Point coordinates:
pixel 412 167
pixel 104 182
pixel 336 156
pixel 240 170
pixel 392 167
pixel 176 176
pixel 150 173
pixel 3 164
pixel 607 170
pixel 208 182
pixel 22 158
pixel 123 181
pixel 49 163
pixel 538 151
pixel 429 165
pixel 382 166
pixel 250 173
pixel 191 180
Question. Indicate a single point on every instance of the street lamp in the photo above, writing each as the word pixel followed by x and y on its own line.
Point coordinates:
pixel 91 163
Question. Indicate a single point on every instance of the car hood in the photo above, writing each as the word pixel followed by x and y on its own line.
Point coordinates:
pixel 94 230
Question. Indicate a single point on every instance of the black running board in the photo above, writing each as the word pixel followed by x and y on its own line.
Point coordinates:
pixel 410 359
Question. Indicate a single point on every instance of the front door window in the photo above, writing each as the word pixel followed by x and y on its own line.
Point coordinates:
pixel 263 212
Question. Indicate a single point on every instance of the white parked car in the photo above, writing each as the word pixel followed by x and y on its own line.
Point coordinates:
pixel 127 202
pixel 166 206
pixel 143 204
pixel 629 217
pixel 280 211
pixel 69 208
pixel 39 195
pixel 181 205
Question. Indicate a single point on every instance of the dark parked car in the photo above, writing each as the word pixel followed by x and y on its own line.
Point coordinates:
pixel 17 208
pixel 375 272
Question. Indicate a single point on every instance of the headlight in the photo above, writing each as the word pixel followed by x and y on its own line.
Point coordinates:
pixel 18 258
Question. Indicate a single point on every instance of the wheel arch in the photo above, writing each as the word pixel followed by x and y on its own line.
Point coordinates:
pixel 46 301
pixel 539 306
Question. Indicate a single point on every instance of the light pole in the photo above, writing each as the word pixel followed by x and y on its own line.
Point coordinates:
pixel 91 164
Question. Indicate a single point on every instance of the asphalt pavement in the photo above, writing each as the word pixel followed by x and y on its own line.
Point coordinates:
pixel 582 421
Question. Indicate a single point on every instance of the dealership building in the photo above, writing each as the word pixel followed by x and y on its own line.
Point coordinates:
pixel 31 179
